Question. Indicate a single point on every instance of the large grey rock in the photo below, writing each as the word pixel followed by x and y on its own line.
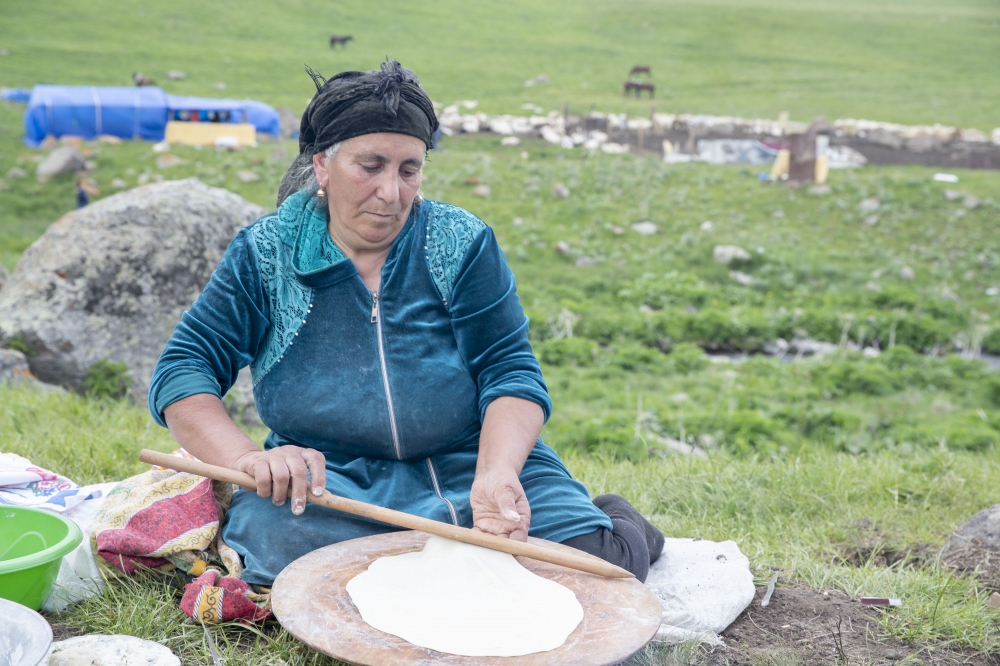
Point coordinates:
pixel 983 530
pixel 110 281
pixel 67 159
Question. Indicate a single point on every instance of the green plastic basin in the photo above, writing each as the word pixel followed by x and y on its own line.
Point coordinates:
pixel 32 544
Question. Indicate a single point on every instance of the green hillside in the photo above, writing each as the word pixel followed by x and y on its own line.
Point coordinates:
pixel 910 61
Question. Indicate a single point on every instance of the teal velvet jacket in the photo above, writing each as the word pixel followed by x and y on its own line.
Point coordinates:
pixel 402 374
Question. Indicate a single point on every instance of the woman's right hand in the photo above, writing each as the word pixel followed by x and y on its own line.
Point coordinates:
pixel 283 466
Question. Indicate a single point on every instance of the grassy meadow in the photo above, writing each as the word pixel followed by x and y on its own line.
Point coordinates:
pixel 806 461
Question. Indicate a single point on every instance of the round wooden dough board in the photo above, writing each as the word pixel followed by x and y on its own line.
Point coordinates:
pixel 310 600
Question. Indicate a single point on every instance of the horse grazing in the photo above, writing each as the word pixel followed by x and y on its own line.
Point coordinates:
pixel 140 79
pixel 340 39
pixel 638 87
pixel 640 69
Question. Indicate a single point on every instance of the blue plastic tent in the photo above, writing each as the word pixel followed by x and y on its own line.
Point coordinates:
pixel 131 113
pixel 258 114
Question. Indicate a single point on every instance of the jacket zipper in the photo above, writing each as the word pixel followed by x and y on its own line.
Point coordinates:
pixel 385 375
pixel 437 489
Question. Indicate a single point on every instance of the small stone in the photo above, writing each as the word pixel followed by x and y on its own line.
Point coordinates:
pixel 870 205
pixel 892 655
pixel 67 159
pixel 161 147
pixel 562 247
pixel 617 231
pixel 71 140
pixel 992 291
pixel 993 601
pixel 482 190
pixel 524 154
pixel 560 190
pixel 176 75
pixel 953 195
pixel 706 225
pixel 143 178
pixel 741 278
pixel 820 189
pixel 219 85
pixel 16 172
pixel 89 165
pixel 645 228
pixel 871 220
pixel 4 186
pixel 584 261
pixel 971 202
pixel 167 161
pixel 510 141
pixel 119 184
pixel 907 273
pixel 727 254
pixel 247 176
pixel 109 139
pixel 517 221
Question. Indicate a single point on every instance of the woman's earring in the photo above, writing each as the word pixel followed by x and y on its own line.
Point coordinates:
pixel 321 193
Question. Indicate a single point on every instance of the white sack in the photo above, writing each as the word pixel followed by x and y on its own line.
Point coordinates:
pixel 702 586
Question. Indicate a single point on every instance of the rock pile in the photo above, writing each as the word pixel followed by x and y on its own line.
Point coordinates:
pixel 110 281
pixel 596 130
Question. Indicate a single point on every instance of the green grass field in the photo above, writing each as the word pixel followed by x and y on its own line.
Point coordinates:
pixel 801 455
pixel 910 61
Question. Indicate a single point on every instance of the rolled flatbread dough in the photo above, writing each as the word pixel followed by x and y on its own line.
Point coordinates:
pixel 465 600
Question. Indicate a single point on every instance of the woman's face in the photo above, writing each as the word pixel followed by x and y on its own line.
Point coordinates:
pixel 370 186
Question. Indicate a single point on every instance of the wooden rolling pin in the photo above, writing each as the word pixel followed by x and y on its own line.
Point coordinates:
pixel 582 562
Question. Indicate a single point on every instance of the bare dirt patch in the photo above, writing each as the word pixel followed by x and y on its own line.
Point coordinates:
pixel 804 627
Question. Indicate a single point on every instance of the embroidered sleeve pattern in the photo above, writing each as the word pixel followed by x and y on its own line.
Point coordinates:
pixel 289 299
pixel 450 232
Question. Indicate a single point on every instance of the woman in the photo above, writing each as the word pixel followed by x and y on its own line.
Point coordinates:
pixel 389 354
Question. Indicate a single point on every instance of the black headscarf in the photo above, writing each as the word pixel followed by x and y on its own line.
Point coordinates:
pixel 351 104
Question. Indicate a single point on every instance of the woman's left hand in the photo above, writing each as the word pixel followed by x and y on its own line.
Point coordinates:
pixel 499 505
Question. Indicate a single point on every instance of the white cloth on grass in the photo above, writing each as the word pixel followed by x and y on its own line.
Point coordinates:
pixel 702 586
pixel 25 484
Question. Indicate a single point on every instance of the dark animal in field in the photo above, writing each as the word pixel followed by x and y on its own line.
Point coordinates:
pixel 638 87
pixel 640 69
pixel 140 79
pixel 340 39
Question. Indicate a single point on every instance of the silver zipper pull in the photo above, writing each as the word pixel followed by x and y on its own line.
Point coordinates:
pixel 374 307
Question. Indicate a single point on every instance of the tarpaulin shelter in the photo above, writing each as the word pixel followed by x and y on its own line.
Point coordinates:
pixel 87 111
pixel 131 113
